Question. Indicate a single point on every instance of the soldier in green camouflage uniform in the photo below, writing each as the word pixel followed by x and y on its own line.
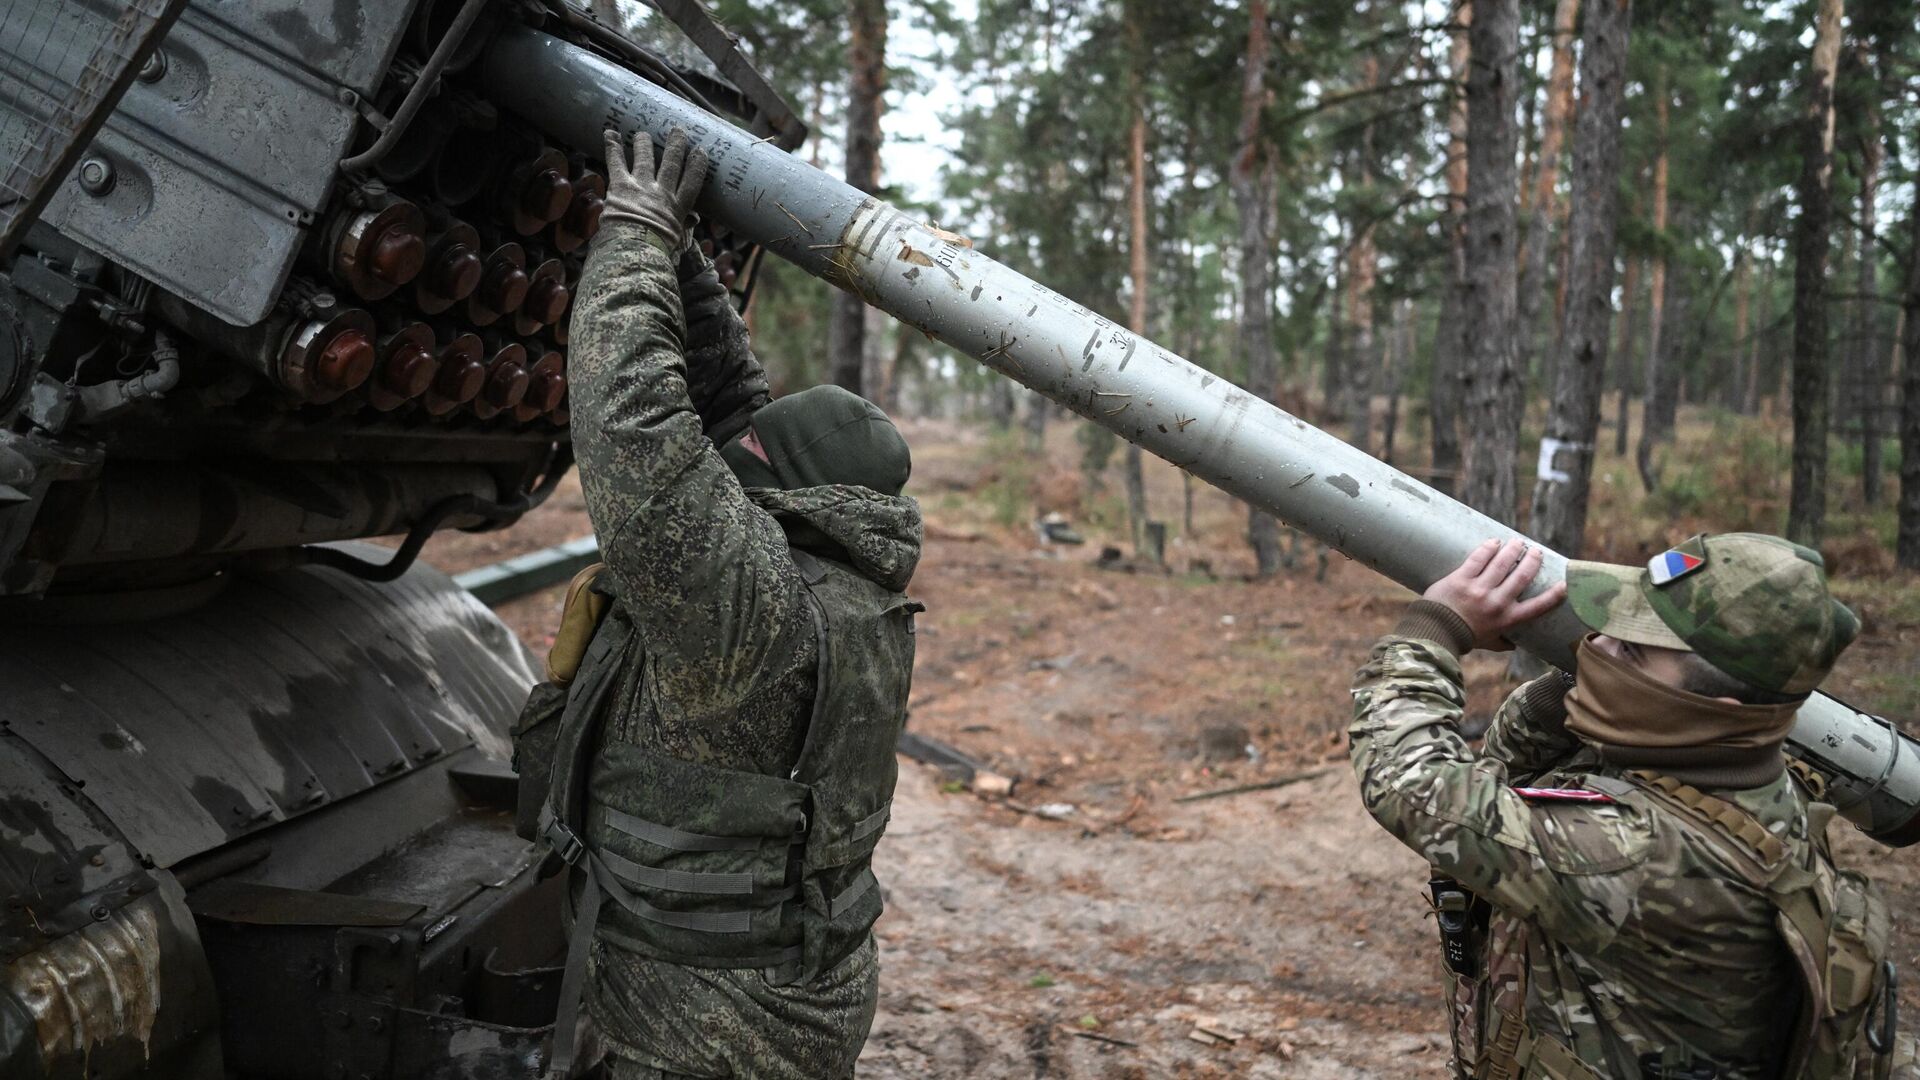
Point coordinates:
pixel 726 661
pixel 1623 942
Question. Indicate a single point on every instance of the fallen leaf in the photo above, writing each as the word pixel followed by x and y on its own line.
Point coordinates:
pixel 991 785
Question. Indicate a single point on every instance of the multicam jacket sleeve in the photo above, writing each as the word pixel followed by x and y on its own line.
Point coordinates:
pixel 705 574
pixel 1569 867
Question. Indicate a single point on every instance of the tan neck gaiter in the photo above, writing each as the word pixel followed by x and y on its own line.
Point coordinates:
pixel 1638 722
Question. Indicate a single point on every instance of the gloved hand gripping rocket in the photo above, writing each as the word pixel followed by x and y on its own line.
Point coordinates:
pixel 724 379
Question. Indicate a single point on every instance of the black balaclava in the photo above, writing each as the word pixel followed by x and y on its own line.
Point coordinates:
pixel 819 436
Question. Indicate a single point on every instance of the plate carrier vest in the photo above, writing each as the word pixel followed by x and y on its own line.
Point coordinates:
pixel 709 866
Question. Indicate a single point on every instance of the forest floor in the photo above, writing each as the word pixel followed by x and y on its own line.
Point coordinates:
pixel 1091 924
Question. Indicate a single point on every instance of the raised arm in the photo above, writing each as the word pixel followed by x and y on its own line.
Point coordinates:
pixel 705 574
pixel 726 379
pixel 1569 867
pixel 1458 809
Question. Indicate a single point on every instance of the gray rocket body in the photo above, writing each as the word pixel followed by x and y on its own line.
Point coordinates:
pixel 939 283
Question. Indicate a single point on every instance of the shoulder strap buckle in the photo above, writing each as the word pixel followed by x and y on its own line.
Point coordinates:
pixel 564 841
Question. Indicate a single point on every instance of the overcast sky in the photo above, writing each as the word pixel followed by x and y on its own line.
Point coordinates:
pixel 918 144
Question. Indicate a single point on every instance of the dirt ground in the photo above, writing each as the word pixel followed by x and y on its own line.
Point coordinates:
pixel 1090 924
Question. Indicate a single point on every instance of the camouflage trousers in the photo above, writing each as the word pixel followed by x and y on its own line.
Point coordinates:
pixel 662 1021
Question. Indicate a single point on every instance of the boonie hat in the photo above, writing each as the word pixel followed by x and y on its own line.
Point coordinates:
pixel 1752 605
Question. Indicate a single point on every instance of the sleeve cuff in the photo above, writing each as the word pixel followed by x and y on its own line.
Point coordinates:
pixel 1438 623
pixel 635 229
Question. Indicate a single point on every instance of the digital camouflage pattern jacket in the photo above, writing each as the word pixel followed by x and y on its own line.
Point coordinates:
pixel 1633 933
pixel 724 672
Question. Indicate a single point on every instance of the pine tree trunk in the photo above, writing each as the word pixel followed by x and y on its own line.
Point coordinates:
pixel 1867 395
pixel 1908 548
pixel 1807 501
pixel 875 356
pixel 1360 346
pixel 896 367
pixel 1333 377
pixel 1573 420
pixel 1399 349
pixel 1036 422
pixel 1661 399
pixel 1250 199
pixel 1650 432
pixel 866 82
pixel 1363 261
pixel 1001 403
pixel 1742 326
pixel 1546 210
pixel 1449 339
pixel 1763 328
pixel 1623 366
pixel 1492 375
pixel 1137 266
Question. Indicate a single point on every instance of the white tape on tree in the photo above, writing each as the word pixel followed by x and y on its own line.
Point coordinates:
pixel 1550 448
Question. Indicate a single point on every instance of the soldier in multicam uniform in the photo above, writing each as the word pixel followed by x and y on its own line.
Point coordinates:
pixel 1628 873
pixel 752 671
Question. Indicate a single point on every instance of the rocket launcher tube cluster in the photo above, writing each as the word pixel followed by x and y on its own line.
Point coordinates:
pixel 935 281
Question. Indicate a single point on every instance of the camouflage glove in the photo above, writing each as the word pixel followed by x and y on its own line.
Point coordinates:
pixel 661 200
pixel 724 378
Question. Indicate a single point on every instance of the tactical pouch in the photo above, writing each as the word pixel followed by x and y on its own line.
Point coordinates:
pixel 534 734
pixel 1858 1020
pixel 706 854
pixel 840 897
pixel 1860 928
pixel 580 617
pixel 538 728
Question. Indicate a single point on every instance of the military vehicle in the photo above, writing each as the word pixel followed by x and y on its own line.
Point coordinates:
pixel 282 275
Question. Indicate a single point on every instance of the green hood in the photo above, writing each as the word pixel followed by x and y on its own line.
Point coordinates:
pixel 878 535
pixel 821 436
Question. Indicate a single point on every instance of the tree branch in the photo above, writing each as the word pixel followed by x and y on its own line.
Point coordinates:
pixel 1884 243
pixel 1343 97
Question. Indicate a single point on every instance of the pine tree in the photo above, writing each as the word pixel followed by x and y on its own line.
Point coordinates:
pixel 1807 500
pixel 1249 180
pixel 866 83
pixel 1494 385
pixel 1573 422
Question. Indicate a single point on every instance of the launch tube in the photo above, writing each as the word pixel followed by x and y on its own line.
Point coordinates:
pixel 936 282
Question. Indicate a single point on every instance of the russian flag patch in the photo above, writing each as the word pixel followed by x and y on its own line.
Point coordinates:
pixel 1672 564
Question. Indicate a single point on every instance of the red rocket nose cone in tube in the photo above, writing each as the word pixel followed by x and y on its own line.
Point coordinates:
pixel 344 362
pixel 409 371
pixel 463 371
pixel 398 256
